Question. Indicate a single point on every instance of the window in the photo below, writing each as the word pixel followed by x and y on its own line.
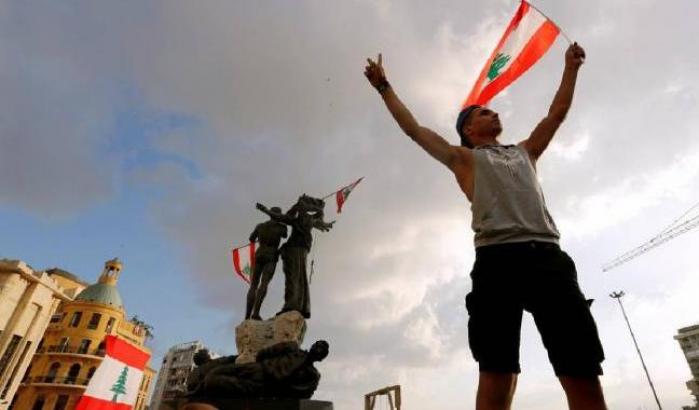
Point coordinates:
pixel 9 352
pixel 91 373
pixel 110 325
pixel 84 346
pixel 100 348
pixel 75 320
pixel 94 321
pixel 27 373
pixel 63 344
pixel 61 402
pixel 39 403
pixel 52 372
pixel 15 369
pixel 73 374
pixel 57 317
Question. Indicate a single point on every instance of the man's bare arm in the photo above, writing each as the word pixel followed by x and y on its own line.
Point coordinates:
pixel 429 140
pixel 546 129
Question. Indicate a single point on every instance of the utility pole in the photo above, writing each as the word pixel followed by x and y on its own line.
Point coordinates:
pixel 618 296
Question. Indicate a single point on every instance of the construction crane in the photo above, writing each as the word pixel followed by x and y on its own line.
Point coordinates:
pixel 393 393
pixel 681 225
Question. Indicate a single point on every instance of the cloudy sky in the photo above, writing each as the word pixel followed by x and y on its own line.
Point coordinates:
pixel 148 130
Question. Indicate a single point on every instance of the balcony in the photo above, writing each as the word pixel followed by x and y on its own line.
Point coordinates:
pixel 61 349
pixel 64 381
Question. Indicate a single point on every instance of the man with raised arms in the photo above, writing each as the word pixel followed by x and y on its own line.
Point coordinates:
pixel 519 265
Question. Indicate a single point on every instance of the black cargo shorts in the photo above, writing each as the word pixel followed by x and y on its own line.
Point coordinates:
pixel 540 278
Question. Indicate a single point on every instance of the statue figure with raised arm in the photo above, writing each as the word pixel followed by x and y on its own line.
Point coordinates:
pixel 303 216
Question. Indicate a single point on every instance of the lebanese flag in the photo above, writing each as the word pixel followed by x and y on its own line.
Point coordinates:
pixel 114 386
pixel 527 38
pixel 244 261
pixel 342 194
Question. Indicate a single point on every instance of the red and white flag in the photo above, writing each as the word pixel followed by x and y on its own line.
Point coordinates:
pixel 244 261
pixel 342 194
pixel 115 384
pixel 527 38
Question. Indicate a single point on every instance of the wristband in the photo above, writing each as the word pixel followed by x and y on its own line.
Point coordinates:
pixel 383 86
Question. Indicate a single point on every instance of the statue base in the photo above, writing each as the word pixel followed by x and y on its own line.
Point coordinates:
pixel 251 336
pixel 260 404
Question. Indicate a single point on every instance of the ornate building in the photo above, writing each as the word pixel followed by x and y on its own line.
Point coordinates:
pixel 73 346
pixel 29 299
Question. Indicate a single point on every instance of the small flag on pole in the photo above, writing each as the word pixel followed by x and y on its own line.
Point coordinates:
pixel 342 194
pixel 528 37
pixel 115 384
pixel 244 261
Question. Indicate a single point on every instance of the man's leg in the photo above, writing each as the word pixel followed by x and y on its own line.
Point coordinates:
pixel 495 390
pixel 252 290
pixel 583 393
pixel 267 274
pixel 568 330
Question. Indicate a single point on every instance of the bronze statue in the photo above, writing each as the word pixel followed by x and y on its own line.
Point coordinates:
pixel 280 371
pixel 305 215
pixel 269 234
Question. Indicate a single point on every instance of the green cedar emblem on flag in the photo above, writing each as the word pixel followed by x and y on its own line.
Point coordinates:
pixel 498 63
pixel 120 386
pixel 247 270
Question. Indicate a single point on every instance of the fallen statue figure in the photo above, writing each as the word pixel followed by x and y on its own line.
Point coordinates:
pixel 280 371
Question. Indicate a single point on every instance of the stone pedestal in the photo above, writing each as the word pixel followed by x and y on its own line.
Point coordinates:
pixel 251 336
pixel 260 404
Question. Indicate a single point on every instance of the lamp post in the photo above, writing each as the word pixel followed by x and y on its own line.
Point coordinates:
pixel 618 296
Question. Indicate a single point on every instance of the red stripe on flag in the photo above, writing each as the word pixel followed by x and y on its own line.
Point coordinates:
pixel 92 403
pixel 476 91
pixel 236 265
pixel 339 199
pixel 126 353
pixel 536 47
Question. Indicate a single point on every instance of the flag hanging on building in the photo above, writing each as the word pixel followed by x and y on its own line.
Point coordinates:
pixel 115 384
pixel 244 261
pixel 527 38
pixel 342 194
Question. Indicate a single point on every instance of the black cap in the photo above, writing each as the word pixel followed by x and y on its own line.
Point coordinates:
pixel 463 116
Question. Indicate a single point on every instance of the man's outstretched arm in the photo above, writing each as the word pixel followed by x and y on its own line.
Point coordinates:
pixel 429 140
pixel 545 130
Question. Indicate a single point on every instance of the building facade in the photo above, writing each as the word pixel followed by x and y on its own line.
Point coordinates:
pixel 73 347
pixel 29 301
pixel 178 363
pixel 688 337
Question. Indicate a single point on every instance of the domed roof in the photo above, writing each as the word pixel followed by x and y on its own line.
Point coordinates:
pixel 102 293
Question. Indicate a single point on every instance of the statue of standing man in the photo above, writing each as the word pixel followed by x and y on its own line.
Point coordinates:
pixel 305 215
pixel 269 234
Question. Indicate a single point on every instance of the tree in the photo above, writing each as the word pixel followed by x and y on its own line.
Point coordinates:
pixel 120 386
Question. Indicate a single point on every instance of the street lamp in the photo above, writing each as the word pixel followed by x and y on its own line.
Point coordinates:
pixel 618 296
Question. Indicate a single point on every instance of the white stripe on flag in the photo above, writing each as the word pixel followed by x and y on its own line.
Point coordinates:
pixel 519 38
pixel 107 375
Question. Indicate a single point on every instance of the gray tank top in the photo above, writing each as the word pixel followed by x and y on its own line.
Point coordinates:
pixel 508 203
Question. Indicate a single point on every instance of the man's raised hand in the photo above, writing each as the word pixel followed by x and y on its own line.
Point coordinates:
pixel 375 74
pixel 575 56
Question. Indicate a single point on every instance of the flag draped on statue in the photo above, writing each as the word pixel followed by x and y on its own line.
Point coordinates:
pixel 527 38
pixel 115 384
pixel 244 261
pixel 343 193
